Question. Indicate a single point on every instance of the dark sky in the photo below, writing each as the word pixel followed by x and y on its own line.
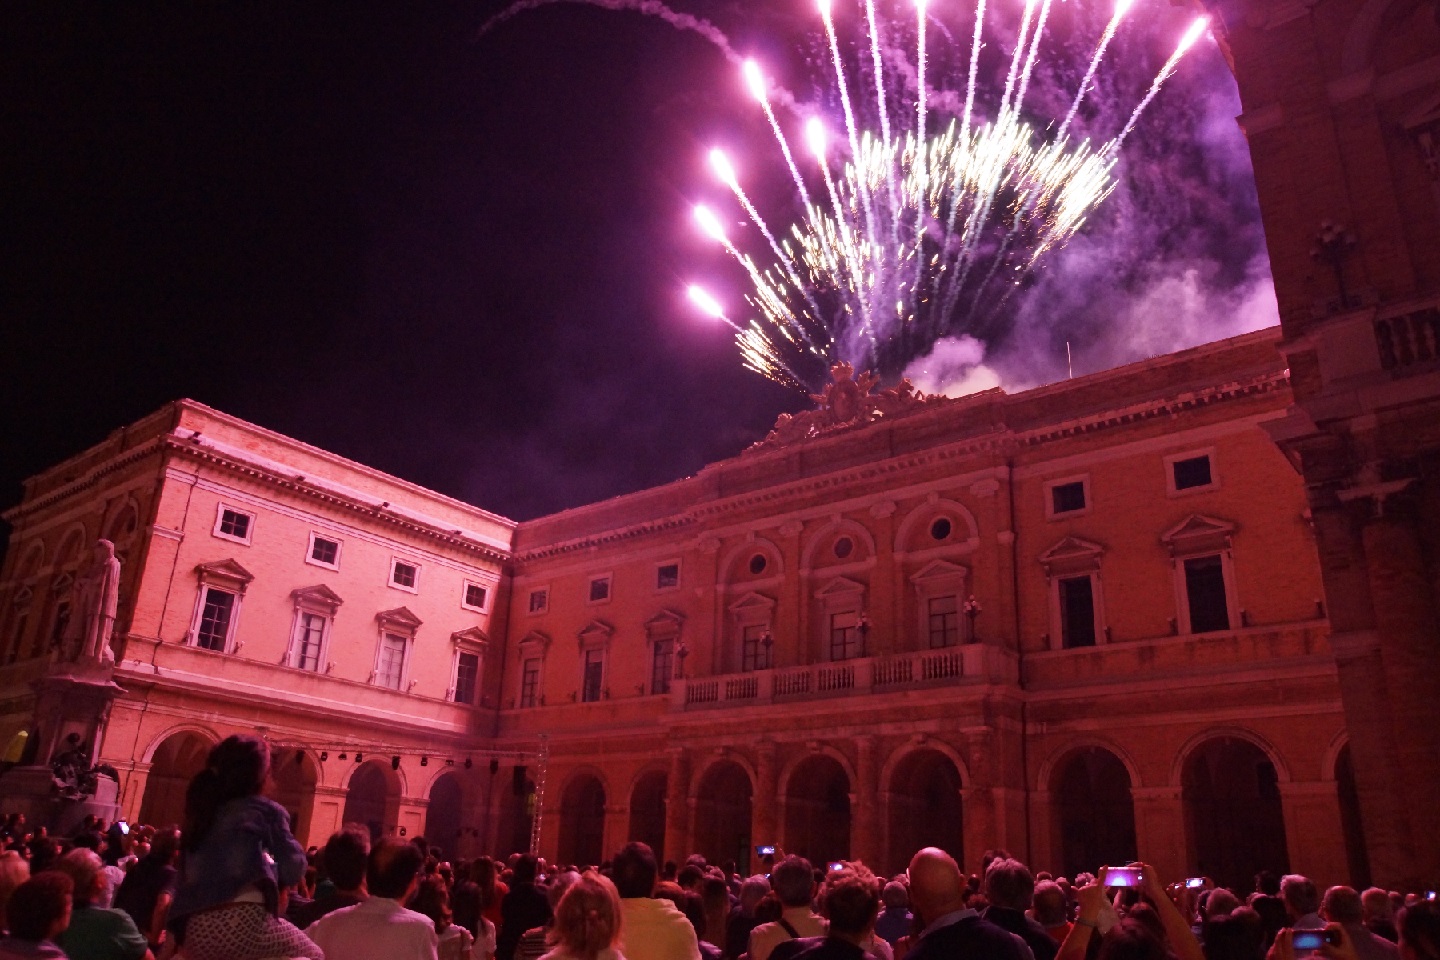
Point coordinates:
pixel 456 259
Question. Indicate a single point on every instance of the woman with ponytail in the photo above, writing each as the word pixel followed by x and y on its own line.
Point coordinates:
pixel 237 857
pixel 587 921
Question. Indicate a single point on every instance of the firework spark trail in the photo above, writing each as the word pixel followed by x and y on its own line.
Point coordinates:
pixel 970 83
pixel 1017 56
pixel 1121 8
pixel 1034 52
pixel 921 207
pixel 880 103
pixel 1193 34
pixel 756 82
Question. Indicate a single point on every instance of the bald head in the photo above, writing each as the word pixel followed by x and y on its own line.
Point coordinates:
pixel 936 884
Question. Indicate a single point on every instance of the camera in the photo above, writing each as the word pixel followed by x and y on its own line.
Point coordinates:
pixel 1123 877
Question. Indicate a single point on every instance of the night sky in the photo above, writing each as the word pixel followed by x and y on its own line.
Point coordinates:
pixel 460 259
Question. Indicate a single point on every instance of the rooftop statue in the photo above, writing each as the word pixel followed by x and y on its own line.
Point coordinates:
pixel 846 401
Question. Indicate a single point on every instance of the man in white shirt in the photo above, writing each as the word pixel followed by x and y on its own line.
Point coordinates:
pixel 650 928
pixel 380 928
pixel 793 881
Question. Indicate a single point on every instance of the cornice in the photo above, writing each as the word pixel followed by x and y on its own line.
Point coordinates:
pixel 88 480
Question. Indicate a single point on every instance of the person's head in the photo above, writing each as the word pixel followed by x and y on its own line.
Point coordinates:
pixel 1267 883
pixel 1049 904
pixel 1342 905
pixel 236 767
pixel 1300 895
pixel 393 868
pixel 634 870
pixel 895 896
pixel 1238 935
pixel 525 869
pixel 587 918
pixel 793 881
pixel 1008 883
pixel 850 902
pixel 689 876
pixel 13 872
pixel 1377 905
pixel 1220 903
pixel 165 847
pixel 346 857
pixel 433 899
pixel 1420 932
pixel 83 868
pixel 40 907
pixel 937 886
pixel 559 883
pixel 715 894
pixel 482 872
pixel 86 840
pixel 752 891
pixel 1132 940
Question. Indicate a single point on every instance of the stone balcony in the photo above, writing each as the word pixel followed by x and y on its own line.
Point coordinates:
pixel 972 664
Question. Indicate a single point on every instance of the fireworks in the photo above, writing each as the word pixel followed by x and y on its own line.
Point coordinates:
pixel 925 233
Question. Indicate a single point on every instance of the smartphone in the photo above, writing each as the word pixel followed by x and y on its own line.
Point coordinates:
pixel 1122 877
pixel 1312 939
pixel 1429 894
pixel 836 865
pixel 1194 883
pixel 123 827
pixel 765 850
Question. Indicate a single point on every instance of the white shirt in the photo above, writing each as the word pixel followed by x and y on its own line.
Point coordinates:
pixel 375 929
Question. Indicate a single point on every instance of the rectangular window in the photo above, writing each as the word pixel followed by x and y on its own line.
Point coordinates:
pixel 1067 497
pixel 754 655
pixel 1192 472
pixel 392 661
pixel 215 619
pixel 233 524
pixel 1077 612
pixel 662 666
pixel 475 597
pixel 324 551
pixel 17 637
pixel 594 674
pixel 529 682
pixel 404 574
pixel 539 600
pixel 599 589
pixel 844 636
pixel 944 626
pixel 667 576
pixel 60 624
pixel 467 674
pixel 310 631
pixel 1205 593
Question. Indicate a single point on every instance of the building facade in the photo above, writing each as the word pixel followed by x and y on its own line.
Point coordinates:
pixel 1084 623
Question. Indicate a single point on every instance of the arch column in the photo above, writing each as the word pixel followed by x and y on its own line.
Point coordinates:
pixel 679 818
pixel 764 820
pixel 617 826
pixel 327 816
pixel 1313 810
pixel 1044 845
pixel 864 817
pixel 410 814
pixel 1160 829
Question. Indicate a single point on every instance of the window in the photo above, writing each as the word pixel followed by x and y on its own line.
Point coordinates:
pixel 944 621
pixel 755 653
pixel 844 636
pixel 1191 472
pixel 539 600
pixel 17 636
pixel 476 596
pixel 758 564
pixel 232 524
pixel 467 675
pixel 404 575
pixel 1067 497
pixel 941 528
pixel 600 589
pixel 844 547
pixel 309 635
pixel 1205 594
pixel 1077 612
pixel 59 624
pixel 390 670
pixel 594 675
pixel 324 552
pixel 667 576
pixel 529 681
pixel 662 665
pixel 216 618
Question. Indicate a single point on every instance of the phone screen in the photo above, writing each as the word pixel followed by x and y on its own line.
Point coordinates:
pixel 1122 877
pixel 836 865
pixel 765 850
pixel 1308 939
pixel 1194 883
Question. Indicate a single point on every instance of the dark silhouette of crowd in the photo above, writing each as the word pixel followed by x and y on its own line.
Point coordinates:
pixel 231 883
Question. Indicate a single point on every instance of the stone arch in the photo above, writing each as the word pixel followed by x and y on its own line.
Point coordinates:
pixel 148 754
pixel 1234 818
pixel 1341 771
pixel 717 758
pixel 32 558
pixel 818 806
pixel 928 512
pixel 1360 40
pixel 1092 807
pixel 295 781
pixel 887 770
pixel 582 818
pixel 648 794
pixel 1238 733
pixel 174 757
pixel 1331 760
pixel 1046 773
pixel 751 545
pixel 723 796
pixel 397 776
pixel 71 549
pixel 445 812
pixel 788 770
pixel 124 522
pixel 833 529
pixel 923 807
pixel 372 796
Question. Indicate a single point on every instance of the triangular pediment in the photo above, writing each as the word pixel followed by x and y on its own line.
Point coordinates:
pixel 534 641
pixel 471 637
pixel 399 617
pixel 665 623
pixel 226 569
pixel 23 596
pixel 1197 527
pixel 939 570
pixel 319 593
pixel 752 601
pixel 62 583
pixel 840 586
pixel 596 632
pixel 1071 548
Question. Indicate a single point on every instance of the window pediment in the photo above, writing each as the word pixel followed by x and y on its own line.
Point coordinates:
pixel 597 633
pixel 317 595
pixel 1071 555
pixel 939 573
pixel 472 638
pixel 225 571
pixel 400 617
pixel 840 587
pixel 63 583
pixel 752 603
pixel 534 644
pixel 666 623
pixel 1198 533
pixel 23 596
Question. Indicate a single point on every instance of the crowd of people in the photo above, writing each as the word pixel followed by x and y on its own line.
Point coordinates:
pixel 232 883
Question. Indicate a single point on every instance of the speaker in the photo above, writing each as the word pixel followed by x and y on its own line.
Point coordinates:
pixel 518 781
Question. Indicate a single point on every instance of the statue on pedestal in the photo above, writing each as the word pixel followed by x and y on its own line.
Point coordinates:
pixel 96 597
